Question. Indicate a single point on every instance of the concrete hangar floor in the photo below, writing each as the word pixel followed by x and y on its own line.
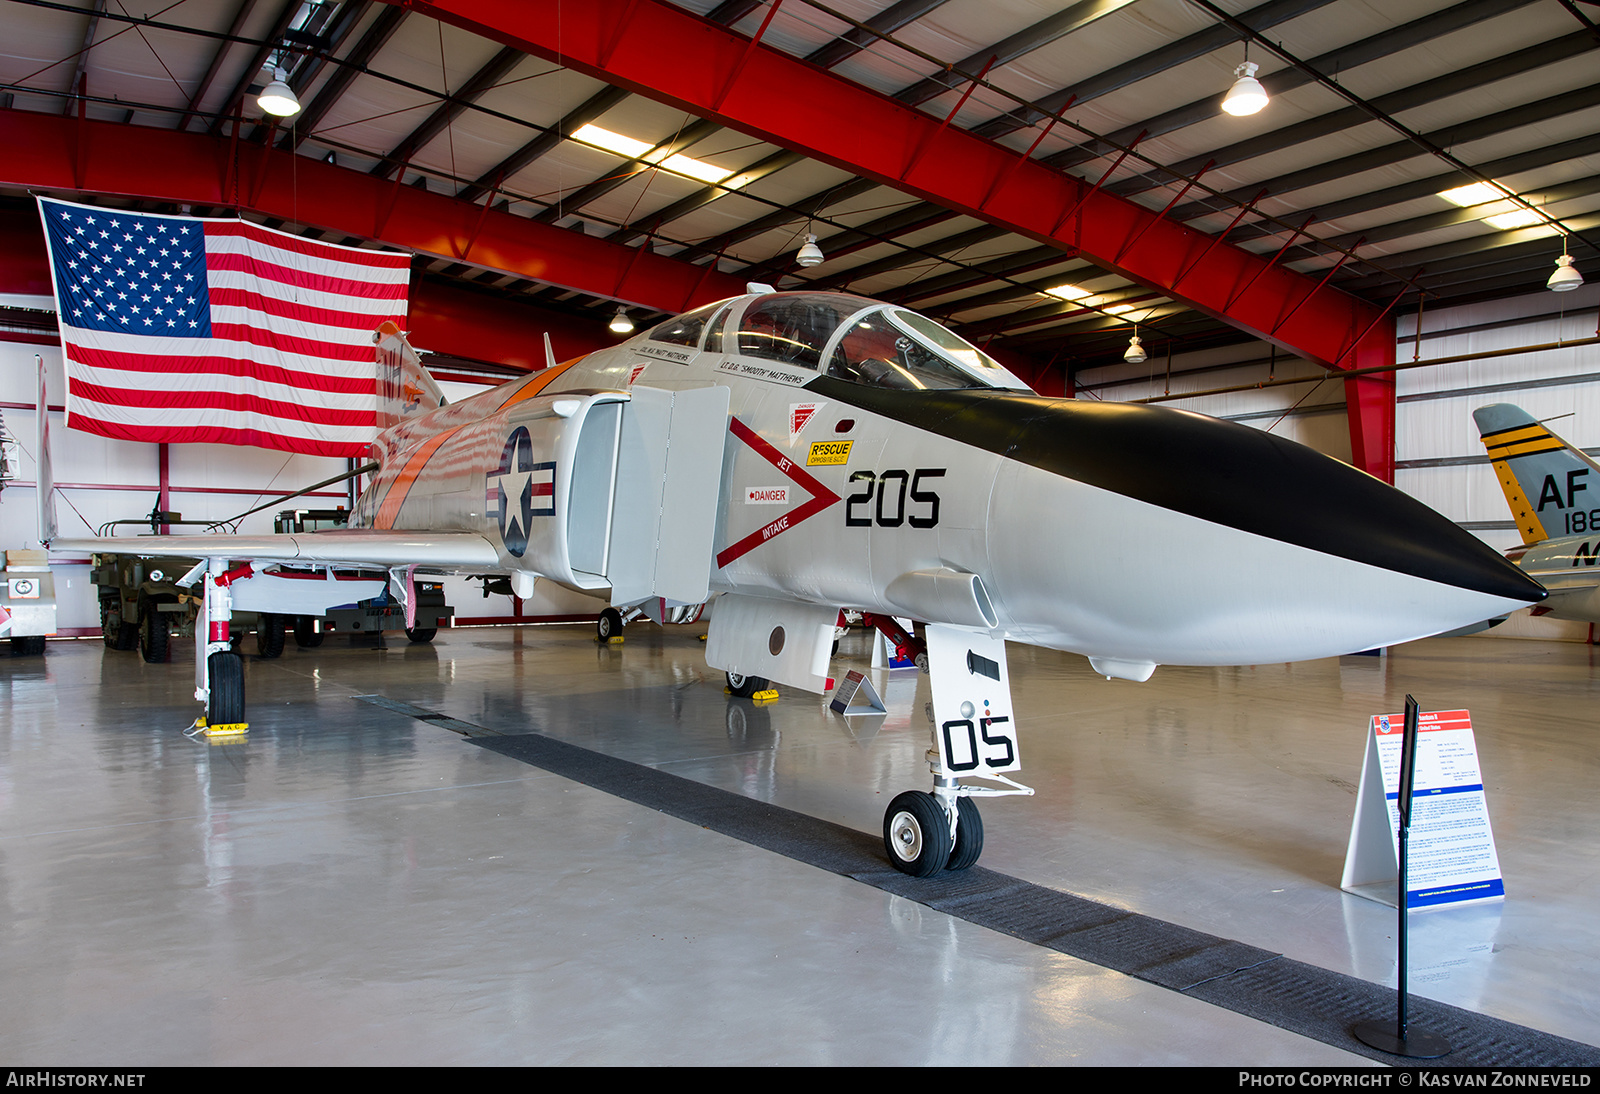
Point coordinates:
pixel 362 881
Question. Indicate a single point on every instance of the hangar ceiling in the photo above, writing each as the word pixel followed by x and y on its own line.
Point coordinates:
pixel 1073 173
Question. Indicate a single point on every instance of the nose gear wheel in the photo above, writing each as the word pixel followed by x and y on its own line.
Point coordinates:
pixel 916 834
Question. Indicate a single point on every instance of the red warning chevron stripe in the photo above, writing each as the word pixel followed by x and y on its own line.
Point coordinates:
pixel 821 496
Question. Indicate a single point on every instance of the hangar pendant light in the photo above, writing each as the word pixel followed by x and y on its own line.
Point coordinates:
pixel 1135 354
pixel 1246 96
pixel 278 98
pixel 620 323
pixel 1566 278
pixel 809 254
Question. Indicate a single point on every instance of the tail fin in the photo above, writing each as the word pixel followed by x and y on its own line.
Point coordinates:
pixel 405 389
pixel 1550 485
pixel 45 492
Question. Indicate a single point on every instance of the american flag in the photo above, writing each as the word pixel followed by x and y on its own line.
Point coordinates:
pixel 185 329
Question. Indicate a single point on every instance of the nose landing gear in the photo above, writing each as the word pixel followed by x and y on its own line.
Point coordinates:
pixel 918 836
pixel 973 735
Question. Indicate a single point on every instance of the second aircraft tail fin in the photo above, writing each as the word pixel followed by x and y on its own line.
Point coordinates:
pixel 1550 485
pixel 405 389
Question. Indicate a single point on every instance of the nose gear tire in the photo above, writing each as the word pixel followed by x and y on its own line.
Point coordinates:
pixel 969 836
pixel 916 835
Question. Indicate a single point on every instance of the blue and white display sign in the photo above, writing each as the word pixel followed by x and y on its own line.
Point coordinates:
pixel 1452 857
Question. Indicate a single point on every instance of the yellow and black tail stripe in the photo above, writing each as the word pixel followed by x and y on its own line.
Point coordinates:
pixel 1522 440
pixel 1528 523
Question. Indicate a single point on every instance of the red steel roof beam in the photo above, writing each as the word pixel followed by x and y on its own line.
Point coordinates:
pixel 1249 206
pixel 75 155
pixel 1025 157
pixel 782 99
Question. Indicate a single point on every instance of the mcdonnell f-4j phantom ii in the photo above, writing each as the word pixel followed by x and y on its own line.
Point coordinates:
pixel 802 453
pixel 1553 489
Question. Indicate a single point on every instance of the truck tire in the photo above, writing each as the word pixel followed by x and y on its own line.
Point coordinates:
pixel 269 635
pixel 116 632
pixel 153 633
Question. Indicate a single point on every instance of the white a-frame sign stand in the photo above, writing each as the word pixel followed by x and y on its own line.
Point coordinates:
pixel 1452 853
pixel 855 686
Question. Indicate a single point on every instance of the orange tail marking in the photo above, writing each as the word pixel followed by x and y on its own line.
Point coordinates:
pixel 396 497
pixel 541 381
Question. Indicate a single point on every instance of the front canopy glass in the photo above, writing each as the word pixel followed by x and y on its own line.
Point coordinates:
pixel 861 341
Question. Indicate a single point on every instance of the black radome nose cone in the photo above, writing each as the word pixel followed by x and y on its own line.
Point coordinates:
pixel 1217 471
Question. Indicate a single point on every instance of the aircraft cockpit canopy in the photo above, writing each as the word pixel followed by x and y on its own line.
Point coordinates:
pixel 893 347
pixel 685 330
pixel 843 336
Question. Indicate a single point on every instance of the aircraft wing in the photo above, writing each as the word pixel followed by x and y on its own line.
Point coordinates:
pixel 371 548
pixel 1564 581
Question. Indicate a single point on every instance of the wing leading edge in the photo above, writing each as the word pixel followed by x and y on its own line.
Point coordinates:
pixel 444 552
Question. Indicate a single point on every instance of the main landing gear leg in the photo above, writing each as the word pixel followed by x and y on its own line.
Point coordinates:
pixel 973 735
pixel 907 647
pixel 218 670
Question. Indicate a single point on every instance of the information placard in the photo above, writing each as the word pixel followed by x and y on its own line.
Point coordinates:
pixel 855 686
pixel 1451 849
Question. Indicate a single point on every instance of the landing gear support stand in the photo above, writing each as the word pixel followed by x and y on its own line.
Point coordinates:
pixel 906 646
pixel 1399 1037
